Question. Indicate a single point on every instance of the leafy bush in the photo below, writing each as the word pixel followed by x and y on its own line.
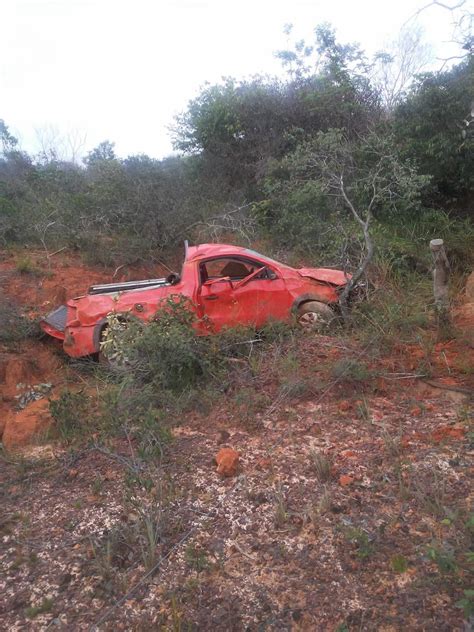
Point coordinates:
pixel 361 541
pixel 397 309
pixel 467 603
pixel 399 563
pixel 351 371
pixel 443 557
pixel 26 266
pixel 167 353
pixel 70 412
pixel 15 326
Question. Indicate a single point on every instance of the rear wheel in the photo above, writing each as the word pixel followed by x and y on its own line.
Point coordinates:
pixel 314 316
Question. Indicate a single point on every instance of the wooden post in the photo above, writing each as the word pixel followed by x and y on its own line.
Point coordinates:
pixel 440 282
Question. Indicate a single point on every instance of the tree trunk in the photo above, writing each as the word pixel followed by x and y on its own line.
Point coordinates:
pixel 358 274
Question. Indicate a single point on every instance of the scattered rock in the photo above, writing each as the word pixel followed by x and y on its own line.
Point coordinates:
pixel 345 480
pixel 348 454
pixel 448 432
pixel 32 393
pixel 264 463
pixel 344 406
pixel 227 461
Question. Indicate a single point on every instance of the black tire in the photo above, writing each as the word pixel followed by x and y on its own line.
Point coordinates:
pixel 315 316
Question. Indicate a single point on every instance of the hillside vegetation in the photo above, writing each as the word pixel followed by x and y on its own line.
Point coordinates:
pixel 253 163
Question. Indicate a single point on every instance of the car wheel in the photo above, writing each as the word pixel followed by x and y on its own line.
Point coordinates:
pixel 314 316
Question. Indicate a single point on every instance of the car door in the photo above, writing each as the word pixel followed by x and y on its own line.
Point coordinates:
pixel 238 291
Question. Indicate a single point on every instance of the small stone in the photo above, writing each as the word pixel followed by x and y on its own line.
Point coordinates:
pixel 345 480
pixel 348 454
pixel 264 463
pixel 344 406
pixel 227 461
pixel 448 432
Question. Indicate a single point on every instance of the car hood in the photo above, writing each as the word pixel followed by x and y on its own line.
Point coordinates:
pixel 326 275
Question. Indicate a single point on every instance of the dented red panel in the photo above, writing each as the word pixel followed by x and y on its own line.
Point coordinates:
pixel 326 275
pixel 51 331
pixel 227 285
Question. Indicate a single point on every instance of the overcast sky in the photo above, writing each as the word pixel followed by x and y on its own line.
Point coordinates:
pixel 120 70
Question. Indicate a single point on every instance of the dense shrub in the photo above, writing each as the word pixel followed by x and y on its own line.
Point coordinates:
pixel 249 145
pixel 14 325
pixel 167 353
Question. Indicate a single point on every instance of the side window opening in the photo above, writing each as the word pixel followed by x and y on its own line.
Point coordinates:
pixel 235 269
pixel 218 268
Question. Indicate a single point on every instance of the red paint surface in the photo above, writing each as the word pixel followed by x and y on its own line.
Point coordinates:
pixel 249 299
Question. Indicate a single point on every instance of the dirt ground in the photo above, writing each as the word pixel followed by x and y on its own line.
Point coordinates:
pixel 351 508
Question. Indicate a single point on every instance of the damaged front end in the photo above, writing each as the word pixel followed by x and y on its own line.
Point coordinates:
pixel 336 278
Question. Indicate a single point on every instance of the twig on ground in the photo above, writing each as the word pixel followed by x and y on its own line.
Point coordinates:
pixel 56 252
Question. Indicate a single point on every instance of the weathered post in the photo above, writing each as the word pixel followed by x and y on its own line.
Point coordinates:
pixel 441 270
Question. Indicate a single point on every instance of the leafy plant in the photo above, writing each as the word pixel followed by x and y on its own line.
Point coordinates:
pixel 196 558
pixel 399 563
pixel 360 539
pixel 71 413
pixel 467 603
pixel 443 557
pixel 33 611
pixel 166 353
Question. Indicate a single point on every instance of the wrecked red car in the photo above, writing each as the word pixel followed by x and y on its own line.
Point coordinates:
pixel 227 286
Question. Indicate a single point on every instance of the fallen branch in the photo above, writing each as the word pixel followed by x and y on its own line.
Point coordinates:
pixel 56 252
pixel 403 376
pixel 237 546
pixel 118 268
pixel 446 387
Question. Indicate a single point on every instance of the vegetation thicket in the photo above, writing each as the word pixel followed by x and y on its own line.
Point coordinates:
pixel 252 162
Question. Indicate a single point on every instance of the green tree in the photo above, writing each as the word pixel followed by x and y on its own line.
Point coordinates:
pixel 9 142
pixel 103 152
pixel 434 127
pixel 347 183
pixel 238 126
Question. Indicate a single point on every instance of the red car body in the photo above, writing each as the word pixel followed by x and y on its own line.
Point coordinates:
pixel 227 285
